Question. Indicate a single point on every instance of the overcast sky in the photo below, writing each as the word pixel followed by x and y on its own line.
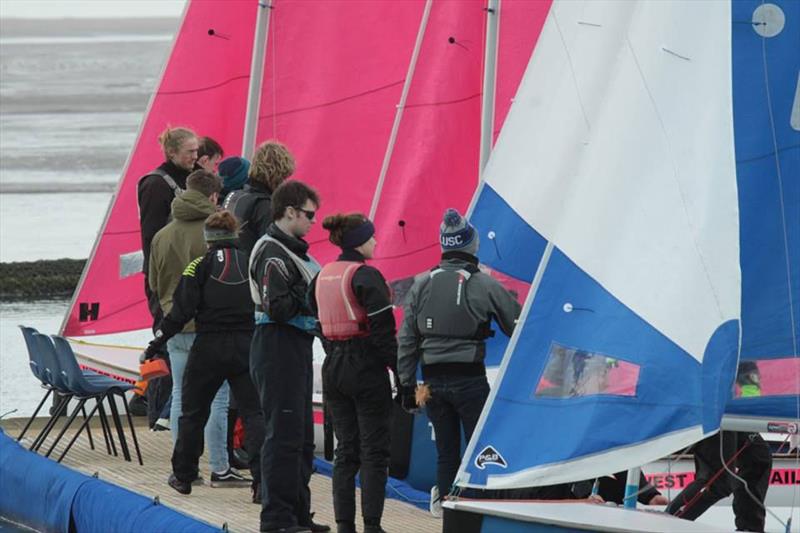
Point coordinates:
pixel 90 8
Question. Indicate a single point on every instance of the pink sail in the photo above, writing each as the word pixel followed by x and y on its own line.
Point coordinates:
pixel 334 72
pixel 204 87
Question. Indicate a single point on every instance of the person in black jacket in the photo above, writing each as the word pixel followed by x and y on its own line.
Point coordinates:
pixel 271 166
pixel 281 358
pixel 214 291
pixel 354 307
pixel 155 192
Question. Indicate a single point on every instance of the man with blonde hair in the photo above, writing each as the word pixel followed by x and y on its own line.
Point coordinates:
pixel 271 165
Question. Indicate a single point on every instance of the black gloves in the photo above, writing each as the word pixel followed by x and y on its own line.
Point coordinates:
pixel 408 400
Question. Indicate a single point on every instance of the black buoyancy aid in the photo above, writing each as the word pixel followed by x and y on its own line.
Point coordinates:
pixel 446 312
pixel 340 314
pixel 242 204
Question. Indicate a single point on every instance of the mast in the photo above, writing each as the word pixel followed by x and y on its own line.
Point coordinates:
pixel 256 77
pixel 489 82
pixel 488 94
pixel 398 117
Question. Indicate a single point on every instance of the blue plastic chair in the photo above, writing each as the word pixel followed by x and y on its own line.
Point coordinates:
pixel 86 384
pixel 36 370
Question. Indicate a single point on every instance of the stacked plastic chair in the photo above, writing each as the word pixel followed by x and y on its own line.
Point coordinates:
pixel 53 362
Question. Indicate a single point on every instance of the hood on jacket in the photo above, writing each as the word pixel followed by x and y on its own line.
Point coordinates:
pixel 192 205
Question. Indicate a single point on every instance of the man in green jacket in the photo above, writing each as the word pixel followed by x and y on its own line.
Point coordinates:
pixel 174 247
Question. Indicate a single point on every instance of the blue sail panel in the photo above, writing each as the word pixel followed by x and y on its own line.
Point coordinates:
pixel 673 392
pixel 766 113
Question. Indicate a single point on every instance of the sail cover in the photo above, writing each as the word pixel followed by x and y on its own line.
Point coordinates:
pixel 766 111
pixel 612 188
pixel 203 87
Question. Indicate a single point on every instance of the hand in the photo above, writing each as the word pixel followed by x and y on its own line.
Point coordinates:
pixel 658 499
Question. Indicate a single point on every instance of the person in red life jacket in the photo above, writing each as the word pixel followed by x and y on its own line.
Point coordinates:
pixel 353 304
pixel 214 291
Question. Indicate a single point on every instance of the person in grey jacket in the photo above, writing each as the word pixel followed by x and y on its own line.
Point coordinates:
pixel 448 317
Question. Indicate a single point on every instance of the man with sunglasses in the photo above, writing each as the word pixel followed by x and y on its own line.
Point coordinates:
pixel 281 358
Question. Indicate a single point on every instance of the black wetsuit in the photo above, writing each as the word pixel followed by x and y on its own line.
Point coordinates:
pixel 358 396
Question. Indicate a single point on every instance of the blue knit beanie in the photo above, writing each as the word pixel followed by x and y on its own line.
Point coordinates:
pixel 456 234
pixel 233 171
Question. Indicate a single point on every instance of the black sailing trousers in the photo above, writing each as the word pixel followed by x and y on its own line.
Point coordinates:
pixel 214 358
pixel 754 466
pixel 281 364
pixel 358 396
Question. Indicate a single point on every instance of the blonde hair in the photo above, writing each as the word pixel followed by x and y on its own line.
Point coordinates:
pixel 171 139
pixel 272 164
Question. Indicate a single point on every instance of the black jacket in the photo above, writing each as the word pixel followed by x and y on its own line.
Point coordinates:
pixel 214 290
pixel 252 206
pixel 155 198
pixel 372 293
pixel 281 287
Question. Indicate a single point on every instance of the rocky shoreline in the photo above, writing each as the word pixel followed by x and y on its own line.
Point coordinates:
pixel 39 280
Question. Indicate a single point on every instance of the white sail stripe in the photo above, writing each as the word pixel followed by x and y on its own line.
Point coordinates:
pixel 595 465
pixel 611 199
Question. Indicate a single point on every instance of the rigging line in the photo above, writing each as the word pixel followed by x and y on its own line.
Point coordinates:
pixel 768 154
pixel 207 88
pixel 406 254
pixel 445 102
pixel 334 102
pixel 571 70
pixel 783 218
pixel 785 233
pixel 675 176
pixel 743 482
pixel 399 114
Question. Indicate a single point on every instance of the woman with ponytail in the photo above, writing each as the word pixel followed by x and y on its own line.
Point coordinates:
pixel 353 304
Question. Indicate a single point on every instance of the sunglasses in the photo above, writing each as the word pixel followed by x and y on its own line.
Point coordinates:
pixel 309 214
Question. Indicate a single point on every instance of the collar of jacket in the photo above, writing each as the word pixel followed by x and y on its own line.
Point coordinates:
pixel 456 257
pixel 349 254
pixel 257 186
pixel 295 244
pixel 223 244
pixel 175 172
pixel 192 205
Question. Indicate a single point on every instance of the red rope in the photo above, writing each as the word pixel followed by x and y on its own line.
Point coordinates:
pixel 711 481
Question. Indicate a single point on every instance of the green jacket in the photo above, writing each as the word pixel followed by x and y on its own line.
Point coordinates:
pixel 177 244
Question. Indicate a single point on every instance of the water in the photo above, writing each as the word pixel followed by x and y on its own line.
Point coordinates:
pixel 72 95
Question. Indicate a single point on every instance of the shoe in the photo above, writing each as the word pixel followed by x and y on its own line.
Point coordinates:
pixel 255 489
pixel 290 529
pixel 314 527
pixel 239 459
pixel 436 502
pixel 181 486
pixel 345 527
pixel 230 478
pixel 162 424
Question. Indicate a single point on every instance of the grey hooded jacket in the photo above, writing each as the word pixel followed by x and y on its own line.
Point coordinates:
pixel 486 299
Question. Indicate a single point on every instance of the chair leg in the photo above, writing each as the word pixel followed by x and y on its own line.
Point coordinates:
pixel 64 429
pixel 123 444
pixel 75 436
pixel 61 406
pixel 104 426
pixel 33 417
pixel 133 431
pixel 88 428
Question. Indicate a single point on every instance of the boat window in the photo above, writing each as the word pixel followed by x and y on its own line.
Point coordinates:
pixel 572 372
pixel 768 377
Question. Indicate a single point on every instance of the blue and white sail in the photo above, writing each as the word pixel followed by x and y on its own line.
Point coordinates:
pixel 766 110
pixel 612 189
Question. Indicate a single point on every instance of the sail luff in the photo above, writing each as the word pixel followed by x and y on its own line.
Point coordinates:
pixel 256 79
pixel 400 108
pixel 120 183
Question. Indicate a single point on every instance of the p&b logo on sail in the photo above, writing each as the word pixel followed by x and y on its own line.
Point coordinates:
pixel 490 456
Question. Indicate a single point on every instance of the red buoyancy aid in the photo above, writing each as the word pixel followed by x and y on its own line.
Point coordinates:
pixel 340 314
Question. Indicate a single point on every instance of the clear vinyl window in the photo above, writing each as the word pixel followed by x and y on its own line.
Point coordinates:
pixel 572 373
